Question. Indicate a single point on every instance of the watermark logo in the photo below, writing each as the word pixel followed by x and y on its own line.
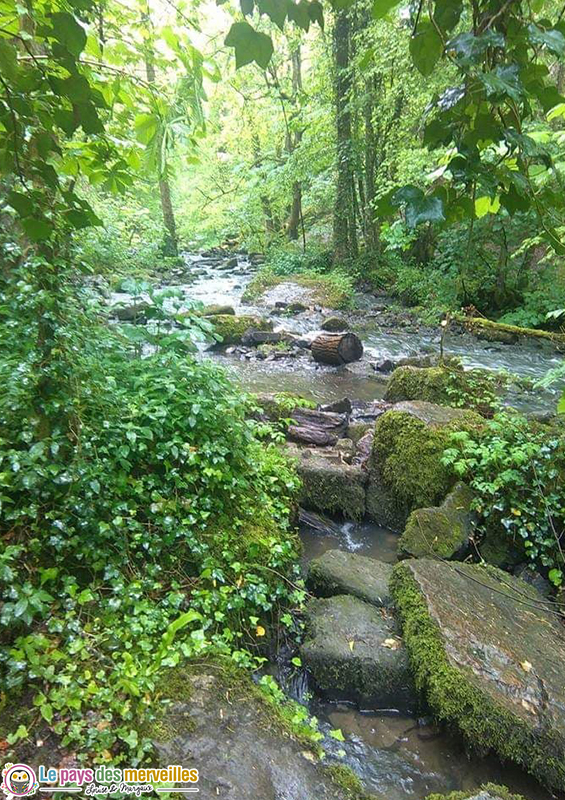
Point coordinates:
pixel 18 781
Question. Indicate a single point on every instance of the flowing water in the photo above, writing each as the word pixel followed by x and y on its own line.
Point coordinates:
pixel 401 757
pixel 206 280
pixel 396 755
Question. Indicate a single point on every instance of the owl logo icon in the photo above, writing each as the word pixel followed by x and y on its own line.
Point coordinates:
pixel 18 781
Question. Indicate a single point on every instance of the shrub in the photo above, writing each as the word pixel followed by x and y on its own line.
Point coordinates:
pixel 142 521
pixel 517 470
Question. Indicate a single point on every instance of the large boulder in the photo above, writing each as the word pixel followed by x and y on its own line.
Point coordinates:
pixel 448 385
pixel 405 468
pixel 488 655
pixel 353 650
pixel 443 531
pixel 232 328
pixel 488 792
pixel 241 746
pixel 330 485
pixel 321 428
pixel 340 572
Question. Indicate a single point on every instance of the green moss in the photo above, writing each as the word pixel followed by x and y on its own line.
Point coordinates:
pixel 333 488
pixel 334 290
pixel 232 328
pixel 347 780
pixel 443 531
pixel 498 331
pixel 279 406
pixel 405 465
pixel 454 699
pixel 447 385
pixel 496 791
pixel 276 711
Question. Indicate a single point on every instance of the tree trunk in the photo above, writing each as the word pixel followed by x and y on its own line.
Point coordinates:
pixel 337 348
pixel 171 241
pixel 344 229
pixel 370 226
pixel 292 141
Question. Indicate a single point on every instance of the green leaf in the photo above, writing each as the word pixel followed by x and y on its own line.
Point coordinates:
pixel 447 13
pixel 22 203
pixel 249 45
pixel 426 48
pixel 470 48
pixel 419 207
pixel 298 13
pixel 38 230
pixel 337 734
pixel 46 710
pixel 552 39
pixel 69 32
pixel 8 60
pixel 486 205
pixel 504 80
pixel 275 10
pixel 146 127
pixel 382 7
pixel 316 13
pixel 247 7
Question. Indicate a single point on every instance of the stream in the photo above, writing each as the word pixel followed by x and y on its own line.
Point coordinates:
pixel 394 754
pixel 207 280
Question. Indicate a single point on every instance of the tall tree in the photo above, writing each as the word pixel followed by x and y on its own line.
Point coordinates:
pixel 344 224
pixel 171 239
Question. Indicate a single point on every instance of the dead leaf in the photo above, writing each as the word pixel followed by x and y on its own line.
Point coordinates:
pixel 392 644
pixel 260 630
pixel 526 666
pixel 309 756
pixel 351 645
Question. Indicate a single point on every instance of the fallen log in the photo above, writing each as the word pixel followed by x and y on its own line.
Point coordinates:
pixel 316 427
pixel 337 348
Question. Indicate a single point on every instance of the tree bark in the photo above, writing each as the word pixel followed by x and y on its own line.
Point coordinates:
pixel 337 348
pixel 370 226
pixel 292 141
pixel 171 241
pixel 344 228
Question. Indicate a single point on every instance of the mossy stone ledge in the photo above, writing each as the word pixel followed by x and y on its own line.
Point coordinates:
pixel 353 651
pixel 488 656
pixel 339 572
pixel 231 328
pixel 329 485
pixel 405 469
pixel 443 531
pixel 444 385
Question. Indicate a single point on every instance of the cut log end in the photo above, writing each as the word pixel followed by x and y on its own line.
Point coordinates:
pixel 337 348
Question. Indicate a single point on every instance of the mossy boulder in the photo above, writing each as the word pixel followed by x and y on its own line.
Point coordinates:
pixel 352 649
pixel 216 309
pixel 278 406
pixel 339 572
pixel 220 722
pixel 334 324
pixel 405 469
pixel 489 791
pixel 446 385
pixel 488 656
pixel 231 328
pixel 443 531
pixel 330 485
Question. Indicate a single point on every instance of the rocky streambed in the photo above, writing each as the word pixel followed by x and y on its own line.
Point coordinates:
pixel 442 675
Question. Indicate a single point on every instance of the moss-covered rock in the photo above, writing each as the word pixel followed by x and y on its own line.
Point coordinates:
pixel 329 485
pixel 443 531
pixel 339 572
pixel 489 791
pixel 334 324
pixel 405 466
pixel 216 309
pixel 216 709
pixel 488 655
pixel 352 649
pixel 448 385
pixel 232 328
pixel 281 405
